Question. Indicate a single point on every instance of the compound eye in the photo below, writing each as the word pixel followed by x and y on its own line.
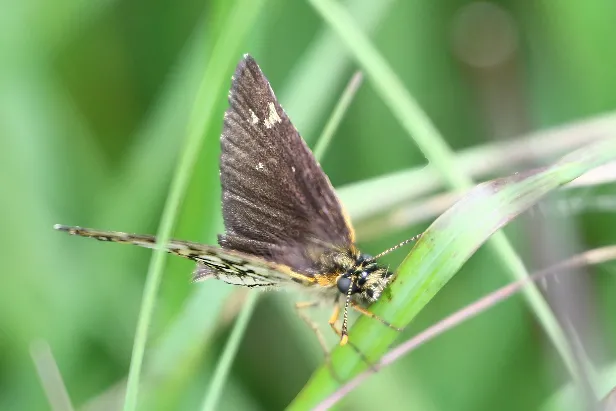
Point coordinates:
pixel 343 284
pixel 362 278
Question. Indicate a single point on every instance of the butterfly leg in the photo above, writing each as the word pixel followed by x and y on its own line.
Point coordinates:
pixel 333 319
pixel 367 313
pixel 300 307
pixel 332 323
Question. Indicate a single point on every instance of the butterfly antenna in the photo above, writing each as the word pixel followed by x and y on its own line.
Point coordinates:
pixel 405 242
pixel 344 335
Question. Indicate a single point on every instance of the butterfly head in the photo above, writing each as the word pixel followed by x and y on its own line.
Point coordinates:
pixel 366 280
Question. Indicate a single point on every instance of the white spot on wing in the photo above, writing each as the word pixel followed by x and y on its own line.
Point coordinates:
pixel 254 118
pixel 260 167
pixel 293 169
pixel 273 117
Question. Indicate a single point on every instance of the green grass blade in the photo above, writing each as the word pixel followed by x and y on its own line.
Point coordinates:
pixel 228 355
pixel 242 17
pixel 569 398
pixel 51 379
pixel 445 246
pixel 336 117
pixel 327 60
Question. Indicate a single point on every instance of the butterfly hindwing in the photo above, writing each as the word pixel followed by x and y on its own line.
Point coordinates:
pixel 230 266
pixel 276 201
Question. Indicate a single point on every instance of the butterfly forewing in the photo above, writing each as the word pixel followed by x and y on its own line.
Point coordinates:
pixel 276 201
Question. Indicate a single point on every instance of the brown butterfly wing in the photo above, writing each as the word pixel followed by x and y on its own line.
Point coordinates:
pixel 277 203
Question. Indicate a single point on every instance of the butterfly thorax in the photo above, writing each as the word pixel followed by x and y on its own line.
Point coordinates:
pixel 361 273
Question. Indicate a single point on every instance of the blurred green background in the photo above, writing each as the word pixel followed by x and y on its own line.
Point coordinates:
pixel 95 97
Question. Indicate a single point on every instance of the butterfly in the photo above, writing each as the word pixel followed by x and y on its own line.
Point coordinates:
pixel 284 224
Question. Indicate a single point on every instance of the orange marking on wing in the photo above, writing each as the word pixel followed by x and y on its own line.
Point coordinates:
pixel 326 280
pixel 304 279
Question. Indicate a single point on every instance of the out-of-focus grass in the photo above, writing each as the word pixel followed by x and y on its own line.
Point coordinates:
pixel 94 100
